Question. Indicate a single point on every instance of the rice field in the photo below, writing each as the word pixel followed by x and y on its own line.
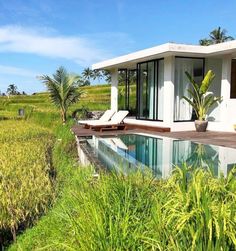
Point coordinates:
pixel 26 182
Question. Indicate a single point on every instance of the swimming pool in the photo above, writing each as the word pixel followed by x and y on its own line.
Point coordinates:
pixel 130 152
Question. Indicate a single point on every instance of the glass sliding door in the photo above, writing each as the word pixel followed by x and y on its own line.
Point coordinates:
pixel 142 91
pixel 160 89
pixel 132 92
pixel 195 67
pixel 150 90
pixel 127 90
pixel 233 79
pixel 122 89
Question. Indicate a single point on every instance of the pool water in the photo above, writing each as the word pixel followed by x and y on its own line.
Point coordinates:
pixel 160 155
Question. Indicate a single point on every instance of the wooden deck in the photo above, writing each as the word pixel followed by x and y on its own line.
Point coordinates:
pixel 215 138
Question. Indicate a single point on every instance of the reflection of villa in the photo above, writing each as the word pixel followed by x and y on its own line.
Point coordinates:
pixel 162 154
pixel 161 83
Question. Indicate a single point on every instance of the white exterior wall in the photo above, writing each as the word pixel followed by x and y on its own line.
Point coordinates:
pixel 168 103
pixel 227 106
pixel 222 118
pixel 114 89
pixel 225 87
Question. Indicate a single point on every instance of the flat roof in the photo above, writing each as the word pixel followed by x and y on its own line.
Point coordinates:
pixel 168 49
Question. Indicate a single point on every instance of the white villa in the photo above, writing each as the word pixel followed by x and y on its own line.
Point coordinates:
pixel 161 83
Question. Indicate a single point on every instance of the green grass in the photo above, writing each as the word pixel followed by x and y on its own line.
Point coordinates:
pixel 136 213
pixel 94 98
pixel 189 211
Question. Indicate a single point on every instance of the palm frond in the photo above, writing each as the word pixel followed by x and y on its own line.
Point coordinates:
pixel 207 81
pixel 63 90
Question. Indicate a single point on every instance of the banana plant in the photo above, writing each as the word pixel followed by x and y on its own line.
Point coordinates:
pixel 199 98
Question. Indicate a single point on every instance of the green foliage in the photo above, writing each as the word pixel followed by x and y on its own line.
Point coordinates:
pixel 216 36
pixel 192 210
pixel 12 89
pixel 189 211
pixel 26 188
pixel 63 90
pixel 26 159
pixel 199 98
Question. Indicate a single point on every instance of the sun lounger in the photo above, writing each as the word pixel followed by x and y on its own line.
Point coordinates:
pixel 119 143
pixel 116 142
pixel 116 122
pixel 104 118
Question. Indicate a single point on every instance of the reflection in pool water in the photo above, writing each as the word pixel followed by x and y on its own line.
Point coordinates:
pixel 127 152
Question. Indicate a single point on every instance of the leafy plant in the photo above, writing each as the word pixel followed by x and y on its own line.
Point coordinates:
pixel 188 211
pixel 216 36
pixel 203 156
pixel 63 90
pixel 199 98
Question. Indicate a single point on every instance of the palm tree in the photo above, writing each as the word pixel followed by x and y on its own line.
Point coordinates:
pixel 62 89
pixel 216 36
pixel 205 42
pixel 88 74
pixel 12 89
pixel 219 36
pixel 107 76
pixel 97 74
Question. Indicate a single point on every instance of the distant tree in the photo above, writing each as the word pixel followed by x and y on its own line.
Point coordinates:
pixel 219 36
pixel 205 42
pixel 85 83
pixel 82 82
pixel 24 93
pixel 88 74
pixel 63 90
pixel 107 76
pixel 12 90
pixel 97 74
pixel 216 36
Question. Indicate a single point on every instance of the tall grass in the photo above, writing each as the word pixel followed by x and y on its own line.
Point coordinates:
pixel 189 211
pixel 26 186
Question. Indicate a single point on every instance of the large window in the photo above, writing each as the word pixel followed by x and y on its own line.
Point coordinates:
pixel 150 90
pixel 233 79
pixel 127 90
pixel 195 67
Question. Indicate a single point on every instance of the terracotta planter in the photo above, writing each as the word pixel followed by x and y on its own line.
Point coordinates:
pixel 201 125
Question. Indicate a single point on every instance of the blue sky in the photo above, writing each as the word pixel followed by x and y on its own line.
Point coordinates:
pixel 37 36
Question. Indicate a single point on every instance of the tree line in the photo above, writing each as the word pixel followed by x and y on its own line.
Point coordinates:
pixel 216 36
pixel 12 89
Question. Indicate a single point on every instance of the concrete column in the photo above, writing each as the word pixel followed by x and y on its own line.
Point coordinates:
pixel 225 87
pixel 169 71
pixel 114 89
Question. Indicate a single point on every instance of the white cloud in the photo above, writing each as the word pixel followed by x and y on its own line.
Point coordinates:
pixel 83 50
pixel 11 70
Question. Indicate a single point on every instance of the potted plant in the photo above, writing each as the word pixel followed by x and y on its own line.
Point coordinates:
pixel 201 100
pixel 204 156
